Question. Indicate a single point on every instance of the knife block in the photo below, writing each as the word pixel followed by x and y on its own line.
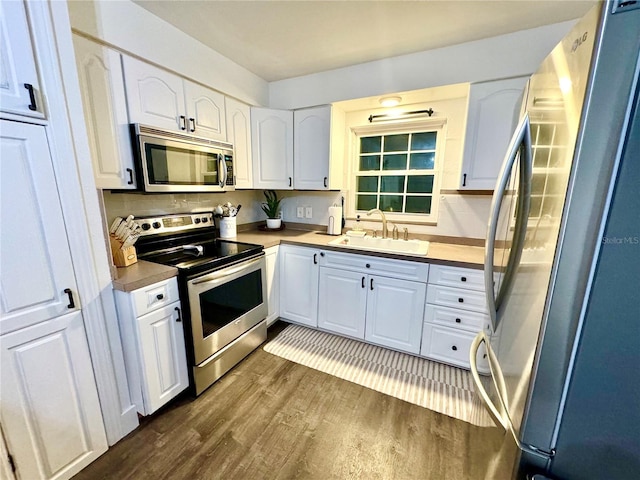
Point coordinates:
pixel 122 257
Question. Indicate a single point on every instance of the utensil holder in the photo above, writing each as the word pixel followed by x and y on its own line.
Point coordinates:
pixel 228 227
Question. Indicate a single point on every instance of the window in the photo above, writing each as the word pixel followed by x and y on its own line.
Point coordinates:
pixel 396 172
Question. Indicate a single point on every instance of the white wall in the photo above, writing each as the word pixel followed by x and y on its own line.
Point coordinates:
pixel 504 56
pixel 133 29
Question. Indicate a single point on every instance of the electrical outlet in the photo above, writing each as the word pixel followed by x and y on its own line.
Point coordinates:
pixel 300 212
pixel 308 212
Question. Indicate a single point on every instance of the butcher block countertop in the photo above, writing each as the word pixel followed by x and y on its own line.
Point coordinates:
pixel 142 273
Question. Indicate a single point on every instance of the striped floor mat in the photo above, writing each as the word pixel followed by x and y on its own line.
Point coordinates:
pixel 432 385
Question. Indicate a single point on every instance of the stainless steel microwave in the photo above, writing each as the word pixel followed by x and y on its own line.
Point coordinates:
pixel 173 162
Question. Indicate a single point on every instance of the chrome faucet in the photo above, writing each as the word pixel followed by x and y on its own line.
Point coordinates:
pixel 385 232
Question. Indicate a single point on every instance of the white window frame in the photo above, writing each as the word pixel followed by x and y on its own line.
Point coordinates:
pixel 437 125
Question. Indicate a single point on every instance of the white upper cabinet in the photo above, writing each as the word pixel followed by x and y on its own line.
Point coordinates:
pixel 494 108
pixel 155 97
pixel 311 148
pixel 19 86
pixel 318 148
pixel 272 148
pixel 161 99
pixel 239 135
pixel 105 112
pixel 205 112
pixel 35 253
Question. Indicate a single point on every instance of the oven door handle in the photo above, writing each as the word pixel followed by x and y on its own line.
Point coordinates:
pixel 226 272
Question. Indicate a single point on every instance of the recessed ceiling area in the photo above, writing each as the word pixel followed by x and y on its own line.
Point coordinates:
pixel 283 39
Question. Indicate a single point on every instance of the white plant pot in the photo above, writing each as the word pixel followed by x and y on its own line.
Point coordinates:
pixel 274 223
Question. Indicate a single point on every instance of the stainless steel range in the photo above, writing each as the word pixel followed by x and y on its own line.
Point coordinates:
pixel 222 290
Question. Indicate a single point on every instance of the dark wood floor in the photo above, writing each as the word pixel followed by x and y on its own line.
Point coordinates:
pixel 270 418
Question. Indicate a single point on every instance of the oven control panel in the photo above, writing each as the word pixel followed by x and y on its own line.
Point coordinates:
pixel 174 223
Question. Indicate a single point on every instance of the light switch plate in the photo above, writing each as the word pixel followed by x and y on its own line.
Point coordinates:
pixel 308 212
pixel 300 212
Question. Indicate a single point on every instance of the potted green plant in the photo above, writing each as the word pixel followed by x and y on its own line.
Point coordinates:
pixel 271 207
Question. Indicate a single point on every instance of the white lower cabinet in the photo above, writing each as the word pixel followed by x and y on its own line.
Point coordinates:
pixel 299 268
pixel 344 302
pixel 273 284
pixel 380 309
pixel 154 345
pixel 394 313
pixel 455 312
pixel 50 412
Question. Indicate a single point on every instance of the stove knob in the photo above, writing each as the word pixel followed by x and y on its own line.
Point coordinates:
pixel 146 226
pixel 205 219
pixel 156 224
pixel 197 221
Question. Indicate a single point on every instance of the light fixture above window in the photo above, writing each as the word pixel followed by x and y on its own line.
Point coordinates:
pixel 390 101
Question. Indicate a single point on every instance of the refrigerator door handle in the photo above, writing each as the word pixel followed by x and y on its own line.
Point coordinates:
pixel 520 142
pixel 499 419
pixel 484 396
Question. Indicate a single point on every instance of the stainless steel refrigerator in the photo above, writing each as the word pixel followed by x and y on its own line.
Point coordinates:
pixel 562 261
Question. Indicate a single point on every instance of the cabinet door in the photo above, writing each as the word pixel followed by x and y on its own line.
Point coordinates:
pixel 50 411
pixel 299 284
pixel 18 75
pixel 205 112
pixel 394 313
pixel 105 114
pixel 239 135
pixel 344 302
pixel 272 148
pixel 154 97
pixel 493 113
pixel 163 353
pixel 311 142
pixel 34 251
pixel 273 284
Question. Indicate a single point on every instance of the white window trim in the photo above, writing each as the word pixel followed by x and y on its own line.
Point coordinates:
pixel 438 125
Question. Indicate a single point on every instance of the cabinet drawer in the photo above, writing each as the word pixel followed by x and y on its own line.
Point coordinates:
pixel 457 277
pixel 148 299
pixel 456 318
pixel 400 269
pixel 457 298
pixel 451 346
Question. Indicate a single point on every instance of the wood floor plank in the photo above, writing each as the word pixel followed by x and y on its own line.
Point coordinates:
pixel 273 419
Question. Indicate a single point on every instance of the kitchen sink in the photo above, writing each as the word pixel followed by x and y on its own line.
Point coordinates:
pixel 405 247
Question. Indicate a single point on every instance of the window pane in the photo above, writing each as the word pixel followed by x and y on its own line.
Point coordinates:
pixel 370 144
pixel 418 205
pixel 366 202
pixel 369 162
pixel 367 184
pixel 422 161
pixel 423 141
pixel 392 183
pixel 394 162
pixel 420 184
pixel 391 203
pixel 396 143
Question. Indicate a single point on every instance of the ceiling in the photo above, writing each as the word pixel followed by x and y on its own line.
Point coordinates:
pixel 283 39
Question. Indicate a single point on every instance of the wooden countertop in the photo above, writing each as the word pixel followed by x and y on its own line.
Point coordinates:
pixel 145 273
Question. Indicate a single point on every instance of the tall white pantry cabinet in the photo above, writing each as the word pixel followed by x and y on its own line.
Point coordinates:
pixel 63 391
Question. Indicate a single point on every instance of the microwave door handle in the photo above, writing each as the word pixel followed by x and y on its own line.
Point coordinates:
pixel 222 171
pixel 521 131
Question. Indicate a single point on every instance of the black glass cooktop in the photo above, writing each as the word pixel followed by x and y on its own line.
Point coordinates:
pixel 198 255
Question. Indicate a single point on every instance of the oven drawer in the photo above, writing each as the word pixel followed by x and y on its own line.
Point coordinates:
pixel 158 295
